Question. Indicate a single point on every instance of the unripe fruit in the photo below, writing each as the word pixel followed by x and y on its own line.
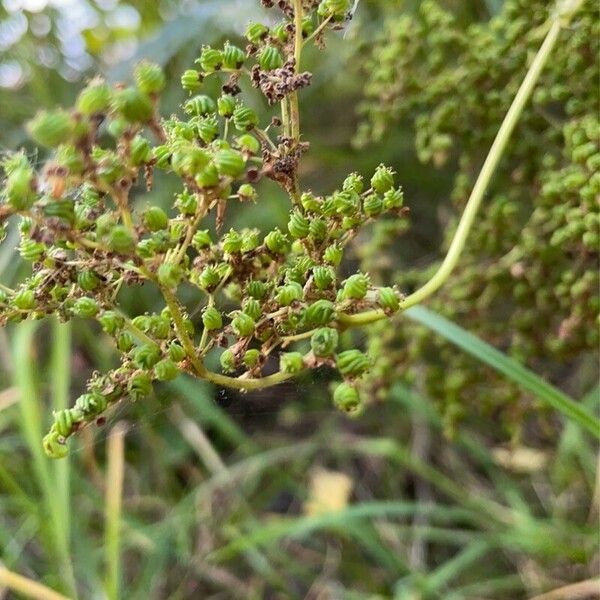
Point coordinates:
pixel 85 307
pixel 243 325
pixel 388 299
pixel 208 129
pixel 373 205
pixel 322 312
pixel 211 318
pixel 383 179
pixel 252 308
pixel 24 300
pixel 270 58
pixel 324 342
pixel 111 322
pixel 176 352
pixel 233 57
pixel 393 198
pixel 333 255
pixel 155 218
pixel 125 341
pixel 355 287
pixel 208 278
pixel 208 177
pixel 200 105
pixel 352 363
pixel 165 370
pixel 226 105
pixel 338 9
pixel 251 358
pixel 146 356
pixel 346 398
pixel 248 143
pixel 133 105
pixel 353 183
pixel 232 242
pixel 50 129
pixel 139 385
pixel 298 225
pixel 31 250
pixel 121 240
pixel 210 59
pixel 149 77
pixel 141 152
pixel 87 280
pixel 256 289
pixel 229 163
pixel 291 363
pixel 19 188
pixel 169 275
pixel 191 81
pixel 256 32
pixel 95 98
pixel 276 242
pixel 201 239
pixel 318 230
pixel 289 293
pixel 244 118
pixel 228 362
pixel 323 277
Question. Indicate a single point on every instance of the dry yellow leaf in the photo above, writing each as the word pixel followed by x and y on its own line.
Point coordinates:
pixel 328 491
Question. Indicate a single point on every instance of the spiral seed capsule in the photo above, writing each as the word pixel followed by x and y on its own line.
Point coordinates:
pixel 322 312
pixel 255 32
pixel 210 60
pixel 111 322
pixel 323 277
pixel 270 58
pixel 233 57
pixel 353 183
pixel 155 218
pixel 139 385
pixel 201 239
pixel 248 143
pixel 256 289
pixel 85 307
pixel 324 341
pixel 55 445
pixel 383 179
pixel 228 361
pixel 95 98
pixel 169 275
pixel 298 225
pixel 353 363
pixel 208 177
pixel 355 287
pixel 247 193
pixel 318 230
pixel 133 105
pixel 191 81
pixel 19 188
pixel 32 251
pixel 149 77
pixel 200 105
pixel 243 325
pixel 244 118
pixel 288 294
pixel 146 356
pixel 230 163
pixel 252 308
pixel 211 319
pixel 176 352
pixel 125 341
pixel 165 370
pixel 388 299
pixel 251 358
pixel 276 242
pixel 333 255
pixel 393 198
pixel 373 205
pixel 50 129
pixel 91 404
pixel 347 399
pixel 291 363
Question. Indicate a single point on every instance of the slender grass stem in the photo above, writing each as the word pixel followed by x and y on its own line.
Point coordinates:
pixel 28 588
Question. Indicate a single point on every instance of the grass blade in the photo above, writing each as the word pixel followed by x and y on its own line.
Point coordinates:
pixel 522 376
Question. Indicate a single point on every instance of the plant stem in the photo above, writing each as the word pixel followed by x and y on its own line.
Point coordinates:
pixel 294 107
pixel 113 506
pixel 481 185
pixel 27 587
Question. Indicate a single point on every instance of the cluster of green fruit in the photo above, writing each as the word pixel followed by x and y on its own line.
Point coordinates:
pixel 256 293
pixel 529 278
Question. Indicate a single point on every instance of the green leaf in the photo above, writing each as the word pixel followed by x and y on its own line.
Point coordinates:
pixel 522 376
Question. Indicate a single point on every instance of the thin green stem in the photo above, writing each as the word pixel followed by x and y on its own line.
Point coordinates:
pixel 481 185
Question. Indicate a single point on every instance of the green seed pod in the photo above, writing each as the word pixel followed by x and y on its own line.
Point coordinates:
pixel 155 218
pixel 142 322
pixel 165 370
pixel 211 318
pixel 247 193
pixel 244 118
pixel 169 275
pixel 252 308
pixel 200 105
pixel 353 183
pixel 24 300
pixel 383 179
pixel 85 307
pixel 310 203
pixel 210 60
pixel 333 255
pixel 51 129
pixel 243 325
pixel 69 157
pixel 66 420
pixel 318 230
pixel 209 278
pixel 291 362
pixel 176 352
pixel 186 203
pixel 338 9
pixel 55 445
pixel 324 341
pixel 201 239
pixel 355 287
pixel 388 299
pixel 276 242
pixel 346 398
pixel 256 32
pixel 141 152
pixel 256 289
pixel 393 198
pixel 322 312
pixel 226 106
pixel 117 126
pixel 289 293
pixel 270 58
pixel 31 250
pixel 232 242
pixel 208 177
pixel 324 277
pixel 233 57
pixel 19 188
pixel 133 105
pixel 139 385
pixel 88 280
pixel 346 203
pixel 125 341
pixel 160 327
pixel 251 358
pixel 250 240
pixel 146 356
pixel 230 163
pixel 298 225
pixel 228 362
pixel 95 98
pixel 149 77
pixel 248 143
pixel 353 363
pixel 121 240
pixel 191 81
pixel 373 205
pixel 280 32
pixel 208 129
pixel 111 322
pixel 162 156
pixel 91 404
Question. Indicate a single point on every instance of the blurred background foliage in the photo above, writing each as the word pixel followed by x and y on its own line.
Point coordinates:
pixel 457 485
